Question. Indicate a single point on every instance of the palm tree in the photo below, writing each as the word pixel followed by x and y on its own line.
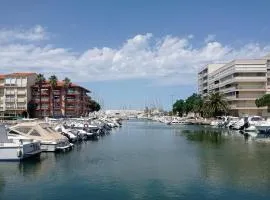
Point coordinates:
pixel 40 80
pixel 67 84
pixel 53 82
pixel 216 104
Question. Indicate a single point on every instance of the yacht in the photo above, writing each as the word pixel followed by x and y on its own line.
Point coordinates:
pixel 50 139
pixel 17 149
pixel 263 126
pixel 70 134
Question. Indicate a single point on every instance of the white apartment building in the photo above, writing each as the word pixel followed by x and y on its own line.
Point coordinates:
pixel 15 92
pixel 242 82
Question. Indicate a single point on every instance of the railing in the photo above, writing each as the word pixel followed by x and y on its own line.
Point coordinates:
pixel 10 100
pixel 73 92
pixel 21 92
pixel 10 92
pixel 71 100
pixel 21 100
pixel 56 92
pixel 14 85
pixel 21 107
pixel 250 87
pixel 250 78
pixel 42 99
pixel 42 93
pixel 10 106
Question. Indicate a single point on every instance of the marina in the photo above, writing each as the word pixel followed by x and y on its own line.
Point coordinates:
pixel 145 159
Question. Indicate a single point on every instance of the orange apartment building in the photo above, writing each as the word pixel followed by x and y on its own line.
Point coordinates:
pixel 53 100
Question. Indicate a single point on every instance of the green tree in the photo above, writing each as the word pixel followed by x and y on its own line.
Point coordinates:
pixel 67 84
pixel 215 104
pixel 198 105
pixel 31 107
pixel 53 82
pixel 263 101
pixel 94 106
pixel 40 80
pixel 193 103
pixel 179 107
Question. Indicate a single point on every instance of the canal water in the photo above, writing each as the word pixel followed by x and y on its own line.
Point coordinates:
pixel 146 160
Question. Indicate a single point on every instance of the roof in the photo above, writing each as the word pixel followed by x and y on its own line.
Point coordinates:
pixel 21 74
pixel 61 84
pixel 17 74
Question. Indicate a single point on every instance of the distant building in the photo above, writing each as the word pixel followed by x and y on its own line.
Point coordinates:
pixel 53 101
pixel 242 82
pixel 15 93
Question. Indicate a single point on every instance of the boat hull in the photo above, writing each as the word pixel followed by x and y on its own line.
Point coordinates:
pixel 18 153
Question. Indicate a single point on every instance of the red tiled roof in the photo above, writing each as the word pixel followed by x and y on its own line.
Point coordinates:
pixel 21 74
pixel 61 84
pixel 2 75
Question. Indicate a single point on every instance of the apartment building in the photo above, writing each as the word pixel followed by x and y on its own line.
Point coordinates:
pixel 52 101
pixel 15 93
pixel 242 82
pixel 203 76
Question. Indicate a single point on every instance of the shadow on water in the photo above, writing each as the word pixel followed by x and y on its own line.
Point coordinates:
pixel 204 136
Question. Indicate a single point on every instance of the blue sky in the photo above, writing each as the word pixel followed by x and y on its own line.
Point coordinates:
pixel 130 53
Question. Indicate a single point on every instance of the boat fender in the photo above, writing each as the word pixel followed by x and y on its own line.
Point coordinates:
pixel 19 153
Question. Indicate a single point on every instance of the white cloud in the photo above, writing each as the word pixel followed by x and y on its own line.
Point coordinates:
pixel 167 60
pixel 36 33
pixel 210 38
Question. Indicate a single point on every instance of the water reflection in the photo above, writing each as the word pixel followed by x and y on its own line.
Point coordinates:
pixel 238 160
pixel 204 136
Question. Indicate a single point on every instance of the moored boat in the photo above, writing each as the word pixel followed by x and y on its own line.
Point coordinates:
pixel 12 149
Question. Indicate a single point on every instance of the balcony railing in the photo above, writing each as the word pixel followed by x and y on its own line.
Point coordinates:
pixel 56 92
pixel 73 92
pixel 42 93
pixel 21 100
pixel 10 100
pixel 10 92
pixel 21 93
pixel 42 99
pixel 250 87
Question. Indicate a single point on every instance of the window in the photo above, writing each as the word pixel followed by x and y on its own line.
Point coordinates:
pixel 23 129
pixel 34 133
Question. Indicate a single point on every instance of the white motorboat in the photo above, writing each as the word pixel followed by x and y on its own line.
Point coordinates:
pixel 218 121
pixel 50 139
pixel 66 132
pixel 263 126
pixel 231 121
pixel 17 149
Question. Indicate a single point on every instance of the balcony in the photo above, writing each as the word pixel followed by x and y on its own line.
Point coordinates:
pixel 10 100
pixel 247 107
pixel 240 98
pixel 21 92
pixel 251 79
pixel 73 93
pixel 42 93
pixel 21 108
pixel 226 90
pixel 42 99
pixel 10 106
pixel 56 92
pixel 21 100
pixel 10 92
pixel 70 107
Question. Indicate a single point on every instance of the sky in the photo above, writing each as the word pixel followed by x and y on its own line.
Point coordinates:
pixel 130 54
